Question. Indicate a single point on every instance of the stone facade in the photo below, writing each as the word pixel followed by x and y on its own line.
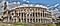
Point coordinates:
pixel 27 15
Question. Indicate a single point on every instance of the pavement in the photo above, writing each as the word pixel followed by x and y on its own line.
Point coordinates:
pixel 5 24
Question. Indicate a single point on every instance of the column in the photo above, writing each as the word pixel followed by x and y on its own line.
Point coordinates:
pixel 32 17
pixel 29 15
pixel 26 17
pixel 18 13
pixel 46 15
pixel 51 19
pixel 17 16
pixel 16 19
pixel 45 20
pixel 8 19
pixel 40 16
pixel 13 19
pixel 35 15
pixel 21 17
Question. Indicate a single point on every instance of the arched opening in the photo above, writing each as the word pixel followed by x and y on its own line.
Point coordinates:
pixel 59 17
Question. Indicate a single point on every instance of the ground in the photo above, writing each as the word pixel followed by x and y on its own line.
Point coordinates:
pixel 5 24
pixel 27 24
pixel 34 24
pixel 58 24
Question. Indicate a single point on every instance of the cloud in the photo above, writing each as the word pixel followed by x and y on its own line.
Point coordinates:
pixel 1 6
pixel 2 0
pixel 27 1
pixel 13 5
pixel 56 5
pixel 24 0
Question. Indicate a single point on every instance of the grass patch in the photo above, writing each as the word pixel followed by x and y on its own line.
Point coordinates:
pixel 58 24
pixel 51 24
pixel 34 25
pixel 21 25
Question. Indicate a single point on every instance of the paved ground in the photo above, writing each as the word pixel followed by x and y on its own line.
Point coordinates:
pixel 4 24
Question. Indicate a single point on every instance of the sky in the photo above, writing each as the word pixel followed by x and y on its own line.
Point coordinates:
pixel 42 2
pixel 46 2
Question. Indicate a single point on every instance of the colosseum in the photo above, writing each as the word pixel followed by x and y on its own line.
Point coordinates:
pixel 27 14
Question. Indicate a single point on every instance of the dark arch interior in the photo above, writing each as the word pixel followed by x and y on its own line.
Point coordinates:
pixel 59 17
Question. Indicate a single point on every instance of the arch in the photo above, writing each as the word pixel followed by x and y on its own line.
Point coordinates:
pixel 59 17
